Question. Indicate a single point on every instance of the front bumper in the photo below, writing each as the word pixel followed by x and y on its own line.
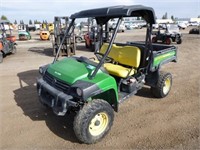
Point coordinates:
pixel 57 100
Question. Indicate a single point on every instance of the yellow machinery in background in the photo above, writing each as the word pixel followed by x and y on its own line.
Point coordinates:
pixel 47 29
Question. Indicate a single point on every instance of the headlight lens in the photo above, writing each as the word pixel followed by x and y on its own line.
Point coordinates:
pixel 41 70
pixel 79 92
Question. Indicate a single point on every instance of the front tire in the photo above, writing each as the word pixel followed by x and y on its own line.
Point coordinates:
pixel 93 121
pixel 179 41
pixel 163 85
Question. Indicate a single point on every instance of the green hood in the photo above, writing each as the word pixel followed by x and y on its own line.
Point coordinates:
pixel 70 70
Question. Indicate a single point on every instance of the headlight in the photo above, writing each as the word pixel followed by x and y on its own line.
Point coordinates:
pixel 79 92
pixel 43 69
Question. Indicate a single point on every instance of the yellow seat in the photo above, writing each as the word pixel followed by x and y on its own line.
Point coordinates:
pixel 118 70
pixel 127 58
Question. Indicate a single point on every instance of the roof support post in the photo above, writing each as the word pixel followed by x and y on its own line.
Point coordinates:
pixel 108 49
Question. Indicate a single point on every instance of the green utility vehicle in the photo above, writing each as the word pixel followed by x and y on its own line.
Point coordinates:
pixel 23 32
pixel 93 89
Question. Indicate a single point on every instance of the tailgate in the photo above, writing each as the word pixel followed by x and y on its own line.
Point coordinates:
pixel 163 57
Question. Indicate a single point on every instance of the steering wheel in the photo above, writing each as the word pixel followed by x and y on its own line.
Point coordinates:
pixel 100 56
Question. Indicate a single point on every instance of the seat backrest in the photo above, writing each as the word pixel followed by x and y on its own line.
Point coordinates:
pixel 113 53
pixel 126 55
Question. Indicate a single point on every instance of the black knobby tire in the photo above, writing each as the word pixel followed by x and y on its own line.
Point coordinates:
pixel 154 39
pixel 179 41
pixel 78 39
pixel 93 121
pixel 168 41
pixel 163 85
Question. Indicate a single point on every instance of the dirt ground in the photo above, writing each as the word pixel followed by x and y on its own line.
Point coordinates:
pixel 142 122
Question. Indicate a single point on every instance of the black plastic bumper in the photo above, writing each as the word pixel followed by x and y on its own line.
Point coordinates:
pixel 57 100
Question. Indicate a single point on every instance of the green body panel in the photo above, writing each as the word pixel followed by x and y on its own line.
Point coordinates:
pixel 24 33
pixel 162 57
pixel 70 70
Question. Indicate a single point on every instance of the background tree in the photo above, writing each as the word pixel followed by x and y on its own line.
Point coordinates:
pixel 198 16
pixel 3 17
pixel 15 22
pixel 172 17
pixel 36 22
pixel 165 16
pixel 21 22
pixel 44 21
pixel 30 22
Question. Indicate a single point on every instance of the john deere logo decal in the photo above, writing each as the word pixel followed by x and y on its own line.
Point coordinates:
pixel 58 73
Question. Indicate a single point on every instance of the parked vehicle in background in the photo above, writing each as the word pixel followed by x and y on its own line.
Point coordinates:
pixel 182 25
pixel 47 27
pixel 7 41
pixel 155 26
pixel 37 26
pixel 31 27
pixel 23 32
pixel 122 27
pixel 194 23
pixel 194 31
pixel 131 26
pixel 45 32
pixel 7 29
pixel 167 33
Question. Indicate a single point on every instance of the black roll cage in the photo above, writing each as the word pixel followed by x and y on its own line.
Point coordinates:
pixel 103 15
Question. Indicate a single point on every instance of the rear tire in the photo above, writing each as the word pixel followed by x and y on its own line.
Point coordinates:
pixel 154 39
pixel 163 85
pixel 168 41
pixel 93 121
pixel 78 40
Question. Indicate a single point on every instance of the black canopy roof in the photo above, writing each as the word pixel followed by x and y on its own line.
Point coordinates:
pixel 104 14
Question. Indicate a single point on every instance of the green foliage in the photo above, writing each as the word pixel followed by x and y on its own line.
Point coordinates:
pixel 165 16
pixel 3 17
pixel 15 22
pixel 172 17
pixel 37 22
pixel 21 22
pixel 44 21
pixel 30 22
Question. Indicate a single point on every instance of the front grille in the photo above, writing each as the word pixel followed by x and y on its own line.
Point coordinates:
pixel 56 83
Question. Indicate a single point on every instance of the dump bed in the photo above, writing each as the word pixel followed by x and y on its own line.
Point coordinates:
pixel 162 55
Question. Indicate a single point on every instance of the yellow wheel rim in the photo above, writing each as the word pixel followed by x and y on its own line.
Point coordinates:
pixel 98 124
pixel 167 86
